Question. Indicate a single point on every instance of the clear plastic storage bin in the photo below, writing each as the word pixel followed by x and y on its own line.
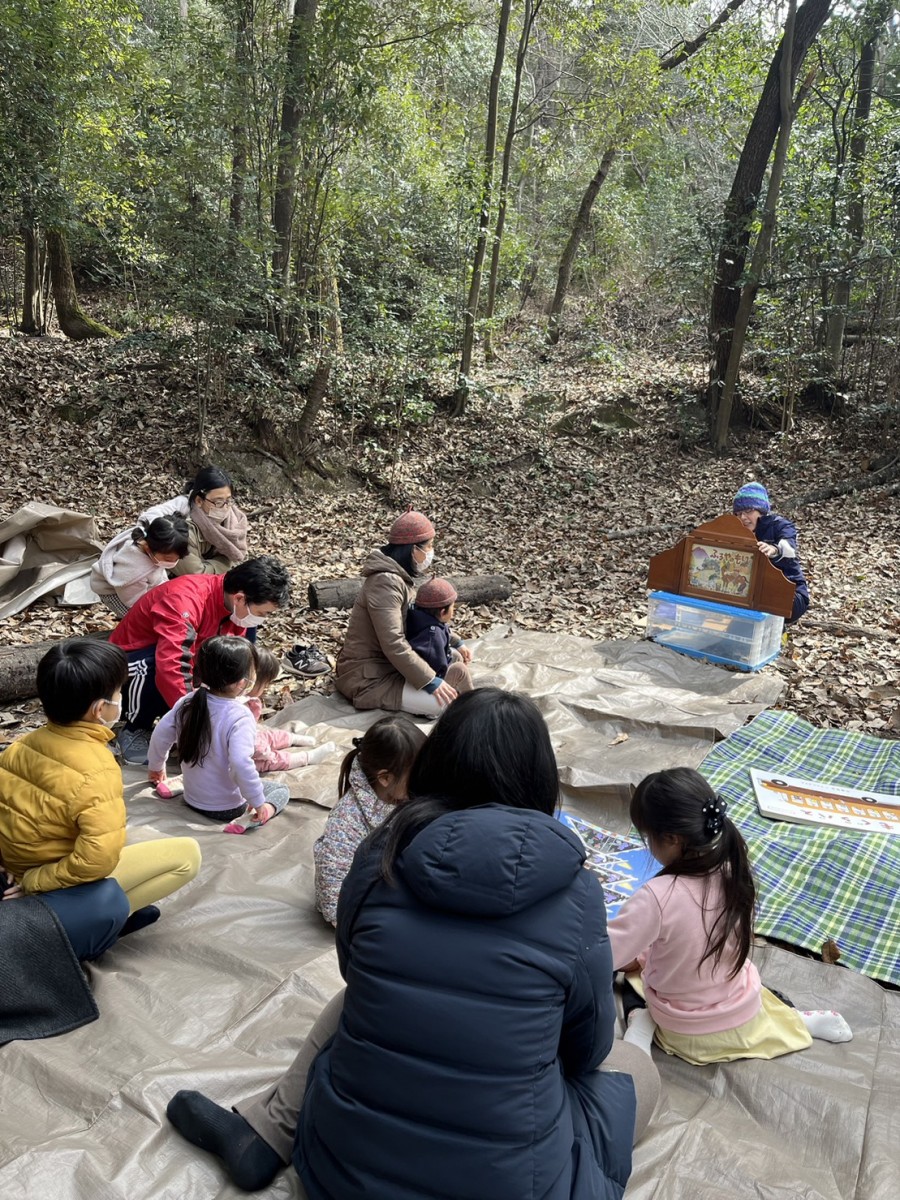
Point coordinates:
pixel 740 637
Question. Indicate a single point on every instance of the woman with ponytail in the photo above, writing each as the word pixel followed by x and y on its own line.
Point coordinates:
pixel 687 934
pixel 215 737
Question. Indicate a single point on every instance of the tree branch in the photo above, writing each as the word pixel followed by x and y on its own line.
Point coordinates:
pixel 677 55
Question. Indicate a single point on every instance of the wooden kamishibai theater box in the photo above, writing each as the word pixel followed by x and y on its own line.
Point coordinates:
pixel 715 596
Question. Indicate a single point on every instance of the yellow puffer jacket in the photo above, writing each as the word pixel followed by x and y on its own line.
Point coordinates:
pixel 62 812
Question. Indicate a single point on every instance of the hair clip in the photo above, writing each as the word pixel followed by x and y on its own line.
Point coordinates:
pixel 357 742
pixel 714 816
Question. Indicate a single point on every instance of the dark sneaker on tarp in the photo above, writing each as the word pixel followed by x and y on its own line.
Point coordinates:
pixel 306 661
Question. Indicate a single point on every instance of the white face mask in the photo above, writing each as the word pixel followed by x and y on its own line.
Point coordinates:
pixel 426 562
pixel 249 621
pixel 117 705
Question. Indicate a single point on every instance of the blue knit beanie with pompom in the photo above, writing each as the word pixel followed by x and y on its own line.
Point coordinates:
pixel 751 495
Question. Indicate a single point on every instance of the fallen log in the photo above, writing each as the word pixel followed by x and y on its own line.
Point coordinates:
pixel 18 666
pixel 473 589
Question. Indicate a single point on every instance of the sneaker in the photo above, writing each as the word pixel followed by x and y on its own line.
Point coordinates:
pixel 305 660
pixel 135 745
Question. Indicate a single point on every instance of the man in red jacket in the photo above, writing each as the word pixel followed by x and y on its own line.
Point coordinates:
pixel 163 631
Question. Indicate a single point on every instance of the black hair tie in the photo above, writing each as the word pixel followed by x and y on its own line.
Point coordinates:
pixel 714 816
pixel 357 742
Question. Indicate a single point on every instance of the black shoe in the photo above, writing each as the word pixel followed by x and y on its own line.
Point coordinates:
pixel 140 920
pixel 305 661
pixel 250 1161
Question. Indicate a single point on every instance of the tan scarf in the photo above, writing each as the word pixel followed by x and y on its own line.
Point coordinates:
pixel 228 537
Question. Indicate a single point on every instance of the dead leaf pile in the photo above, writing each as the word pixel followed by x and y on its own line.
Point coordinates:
pixel 511 488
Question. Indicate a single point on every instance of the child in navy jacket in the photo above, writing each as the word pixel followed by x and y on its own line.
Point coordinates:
pixel 428 632
pixel 776 538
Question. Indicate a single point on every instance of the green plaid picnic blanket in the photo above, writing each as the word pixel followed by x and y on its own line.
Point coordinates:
pixel 817 883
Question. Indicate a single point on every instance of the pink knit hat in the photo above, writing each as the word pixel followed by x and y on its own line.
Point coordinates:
pixel 436 593
pixel 410 529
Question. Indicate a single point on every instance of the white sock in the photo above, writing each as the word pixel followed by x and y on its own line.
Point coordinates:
pixel 828 1026
pixel 641 1028
pixel 302 739
pixel 320 752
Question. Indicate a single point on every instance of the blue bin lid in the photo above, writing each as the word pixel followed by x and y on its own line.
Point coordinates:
pixel 730 610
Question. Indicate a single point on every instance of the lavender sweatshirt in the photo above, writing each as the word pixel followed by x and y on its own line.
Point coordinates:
pixel 227 777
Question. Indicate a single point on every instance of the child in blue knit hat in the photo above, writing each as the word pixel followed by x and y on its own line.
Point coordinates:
pixel 776 538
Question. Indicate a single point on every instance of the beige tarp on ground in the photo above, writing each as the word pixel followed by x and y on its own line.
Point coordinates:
pixel 218 994
pixel 45 549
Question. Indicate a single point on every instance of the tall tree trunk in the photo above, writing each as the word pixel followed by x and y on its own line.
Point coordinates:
pixel 528 19
pixel 745 190
pixel 579 229
pixel 764 239
pixel 837 316
pixel 239 136
pixel 73 321
pixel 32 309
pixel 315 398
pixel 680 54
pixel 461 394
pixel 296 89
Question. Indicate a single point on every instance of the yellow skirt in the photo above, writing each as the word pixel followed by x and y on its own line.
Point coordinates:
pixel 775 1030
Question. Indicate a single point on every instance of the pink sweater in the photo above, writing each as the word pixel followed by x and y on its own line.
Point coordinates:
pixel 664 926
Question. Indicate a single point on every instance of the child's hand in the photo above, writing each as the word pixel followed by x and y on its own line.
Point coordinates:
pixel 12 890
pixel 444 694
pixel 632 968
pixel 464 653
pixel 157 776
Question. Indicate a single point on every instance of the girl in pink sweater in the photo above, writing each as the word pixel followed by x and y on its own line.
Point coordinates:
pixel 684 937
pixel 276 749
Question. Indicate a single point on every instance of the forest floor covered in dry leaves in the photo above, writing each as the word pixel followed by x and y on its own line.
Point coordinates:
pixel 557 455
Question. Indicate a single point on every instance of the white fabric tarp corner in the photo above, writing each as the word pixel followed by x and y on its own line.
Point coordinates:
pixel 44 549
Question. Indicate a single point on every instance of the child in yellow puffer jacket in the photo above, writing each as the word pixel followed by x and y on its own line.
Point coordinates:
pixel 62 809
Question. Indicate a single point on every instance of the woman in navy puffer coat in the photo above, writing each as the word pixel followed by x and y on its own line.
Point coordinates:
pixel 478 1007
pixel 479 990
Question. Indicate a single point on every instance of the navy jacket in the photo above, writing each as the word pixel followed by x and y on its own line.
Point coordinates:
pixel 773 529
pixel 429 638
pixel 478 1005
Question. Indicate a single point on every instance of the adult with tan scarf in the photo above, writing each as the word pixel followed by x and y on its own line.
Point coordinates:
pixel 217 528
pixel 377 667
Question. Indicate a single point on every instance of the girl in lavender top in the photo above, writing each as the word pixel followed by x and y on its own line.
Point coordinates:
pixel 215 737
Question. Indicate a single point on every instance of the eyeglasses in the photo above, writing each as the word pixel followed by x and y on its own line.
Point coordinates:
pixel 219 503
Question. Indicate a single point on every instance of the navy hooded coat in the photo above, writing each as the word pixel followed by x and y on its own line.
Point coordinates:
pixel 478 1007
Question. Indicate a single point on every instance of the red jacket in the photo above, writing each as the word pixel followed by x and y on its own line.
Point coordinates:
pixel 176 617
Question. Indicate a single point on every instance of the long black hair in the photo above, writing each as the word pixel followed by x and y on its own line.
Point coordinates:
pixel 389 745
pixel 488 747
pixel 164 535
pixel 681 803
pixel 221 663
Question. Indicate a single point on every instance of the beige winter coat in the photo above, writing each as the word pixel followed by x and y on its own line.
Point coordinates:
pixel 376 659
